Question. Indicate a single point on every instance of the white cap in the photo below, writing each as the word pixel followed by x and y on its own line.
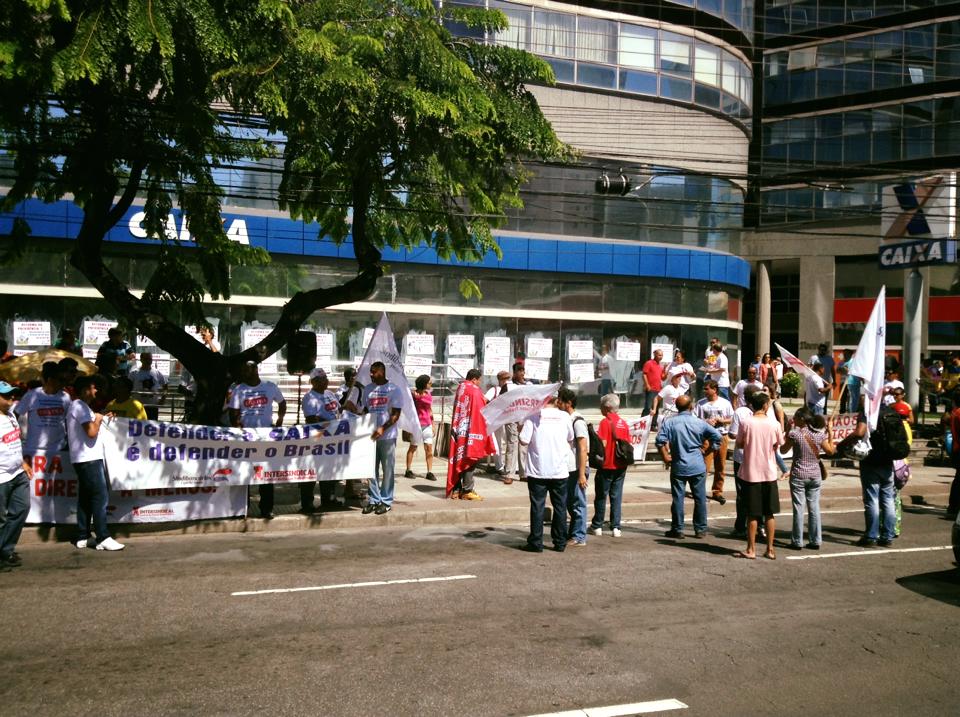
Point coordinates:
pixel 675 371
pixel 317 373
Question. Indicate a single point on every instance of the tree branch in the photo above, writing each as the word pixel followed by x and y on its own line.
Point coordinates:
pixel 129 194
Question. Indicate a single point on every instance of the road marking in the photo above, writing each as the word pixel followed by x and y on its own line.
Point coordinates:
pixel 342 586
pixel 636 708
pixel 869 551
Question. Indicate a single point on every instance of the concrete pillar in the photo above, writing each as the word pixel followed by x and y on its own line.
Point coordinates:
pixel 912 334
pixel 763 307
pixel 817 285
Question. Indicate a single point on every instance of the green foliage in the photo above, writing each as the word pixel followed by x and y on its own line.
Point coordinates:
pixel 790 385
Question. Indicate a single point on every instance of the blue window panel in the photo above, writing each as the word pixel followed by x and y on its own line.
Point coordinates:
pixel 653 262
pixel 562 69
pixel 707 96
pixel 284 246
pixel 345 250
pixel 718 268
pixel 489 261
pixel 676 89
pixel 391 254
pixel 626 259
pixel 596 75
pixel 542 255
pixel 678 264
pixel 571 256
pixel 515 253
pixel 51 221
pixel 700 265
pixel 644 83
pixel 316 247
pixel 598 259
pixel 422 254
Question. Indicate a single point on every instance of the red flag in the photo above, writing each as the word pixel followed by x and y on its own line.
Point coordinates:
pixel 469 440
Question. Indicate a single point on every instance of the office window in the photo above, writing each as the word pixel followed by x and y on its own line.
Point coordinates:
pixel 638 47
pixel 675 54
pixel 705 67
pixel 596 40
pixel 517 35
pixel 554 33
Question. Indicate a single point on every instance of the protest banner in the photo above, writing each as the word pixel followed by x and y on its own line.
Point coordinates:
pixel 639 436
pixel 517 403
pixel 843 425
pixel 53 498
pixel 157 454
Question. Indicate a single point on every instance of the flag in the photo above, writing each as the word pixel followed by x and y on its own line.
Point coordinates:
pixel 383 347
pixel 868 362
pixel 469 438
pixel 796 364
pixel 517 403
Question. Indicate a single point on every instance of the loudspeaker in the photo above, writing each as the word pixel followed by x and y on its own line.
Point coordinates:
pixel 302 353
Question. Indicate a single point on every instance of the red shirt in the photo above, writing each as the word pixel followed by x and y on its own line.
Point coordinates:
pixel 620 430
pixel 654 373
pixel 955 429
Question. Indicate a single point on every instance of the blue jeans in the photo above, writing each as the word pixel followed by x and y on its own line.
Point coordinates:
pixel 805 490
pixel 853 397
pixel 538 489
pixel 92 497
pixel 576 509
pixel 781 464
pixel 606 386
pixel 724 391
pixel 698 487
pixel 381 485
pixel 608 482
pixel 14 507
pixel 879 515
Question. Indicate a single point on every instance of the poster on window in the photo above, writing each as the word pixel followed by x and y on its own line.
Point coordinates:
pixel 254 335
pixel 628 351
pixel 324 345
pixel 367 335
pixel 667 350
pixel 539 348
pixel 145 342
pixel 580 351
pixel 457 367
pixel 537 369
pixel 582 372
pixel 419 344
pixel 416 365
pixel 31 333
pixel 496 354
pixel 95 332
pixel 461 345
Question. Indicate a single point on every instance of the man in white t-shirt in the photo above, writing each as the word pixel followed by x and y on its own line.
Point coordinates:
pixel 320 405
pixel 578 469
pixel 669 395
pixel 740 389
pixel 816 389
pixel 43 410
pixel 86 455
pixel 251 406
pixel 717 412
pixel 149 386
pixel 383 400
pixel 717 368
pixel 514 454
pixel 499 462
pixel 547 436
pixel 15 473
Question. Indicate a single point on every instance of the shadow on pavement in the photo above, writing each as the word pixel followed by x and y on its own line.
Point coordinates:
pixel 697 545
pixel 943 585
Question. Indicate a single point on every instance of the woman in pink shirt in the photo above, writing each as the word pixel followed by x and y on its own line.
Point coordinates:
pixel 423 400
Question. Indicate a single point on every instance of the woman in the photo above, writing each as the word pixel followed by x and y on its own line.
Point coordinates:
pixel 423 400
pixel 807 439
pixel 680 365
pixel 766 372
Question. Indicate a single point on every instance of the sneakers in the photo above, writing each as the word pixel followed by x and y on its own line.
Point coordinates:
pixel 866 542
pixel 812 546
pixel 408 474
pixel 81 544
pixel 720 499
pixel 617 533
pixel 700 534
pixel 430 476
pixel 383 508
pixel 884 543
pixel 13 560
pixel 110 544
pixel 470 495
pixel 675 534
pixel 597 531
pixel 369 508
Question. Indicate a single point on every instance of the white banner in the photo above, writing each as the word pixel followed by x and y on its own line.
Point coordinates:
pixel 582 372
pixel 419 344
pixel 580 351
pixel 157 454
pixel 628 351
pixel 843 425
pixel 537 369
pixel 461 345
pixel 539 347
pixel 639 436
pixel 31 333
pixel 53 498
pixel 516 404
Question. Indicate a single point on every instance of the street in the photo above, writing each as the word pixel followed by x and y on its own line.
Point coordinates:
pixel 157 629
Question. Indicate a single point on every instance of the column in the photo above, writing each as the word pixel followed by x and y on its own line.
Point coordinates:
pixel 912 334
pixel 763 307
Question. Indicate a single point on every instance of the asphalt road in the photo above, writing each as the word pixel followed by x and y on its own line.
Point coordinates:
pixel 156 629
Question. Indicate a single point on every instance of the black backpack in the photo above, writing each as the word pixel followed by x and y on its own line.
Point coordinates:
pixel 890 439
pixel 596 452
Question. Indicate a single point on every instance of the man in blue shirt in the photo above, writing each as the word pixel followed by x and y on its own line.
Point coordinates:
pixel 682 442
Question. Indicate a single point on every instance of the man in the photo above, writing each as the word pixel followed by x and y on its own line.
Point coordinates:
pixel 718 369
pixel 816 389
pixel 718 413
pixel 546 437
pixel 739 416
pixel 149 385
pixel 43 412
pixel 503 379
pixel 117 345
pixel 681 442
pixel 319 405
pixel 68 342
pixel 86 455
pixel 604 370
pixel 579 471
pixel 514 452
pixel 652 385
pixel 469 440
pixel 251 406
pixel 350 394
pixel 124 404
pixel 609 478
pixel 759 438
pixel 876 485
pixel 383 400
pixel 825 359
pixel 743 384
pixel 15 473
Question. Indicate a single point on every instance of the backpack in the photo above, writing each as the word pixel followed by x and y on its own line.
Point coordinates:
pixel 596 452
pixel 901 474
pixel 890 439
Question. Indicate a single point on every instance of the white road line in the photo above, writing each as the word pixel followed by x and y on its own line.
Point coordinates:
pixel 342 586
pixel 869 551
pixel 636 708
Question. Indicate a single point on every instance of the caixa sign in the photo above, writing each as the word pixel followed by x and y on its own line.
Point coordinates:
pixel 236 228
pixel 905 255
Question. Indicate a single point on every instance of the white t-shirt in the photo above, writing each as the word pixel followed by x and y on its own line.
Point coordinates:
pixel 579 431
pixel 380 402
pixel 255 403
pixel 741 388
pixel 82 447
pixel 813 384
pixel 722 377
pixel 739 415
pixel 669 395
pixel 325 405
pixel 708 410
pixel 147 382
pixel 548 434
pixel 889 386
pixel 46 416
pixel 11 450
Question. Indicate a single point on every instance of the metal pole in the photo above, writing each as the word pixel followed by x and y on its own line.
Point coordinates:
pixel 912 335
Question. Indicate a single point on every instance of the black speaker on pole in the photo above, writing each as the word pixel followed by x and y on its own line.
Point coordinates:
pixel 302 353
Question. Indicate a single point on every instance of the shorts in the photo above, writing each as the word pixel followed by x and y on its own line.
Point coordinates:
pixel 760 498
pixel 427 432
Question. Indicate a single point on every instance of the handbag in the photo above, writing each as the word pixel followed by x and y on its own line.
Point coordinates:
pixel 813 447
pixel 622 449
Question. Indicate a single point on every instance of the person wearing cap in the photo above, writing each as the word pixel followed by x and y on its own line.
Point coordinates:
pixel 320 405
pixel 15 474
pixel 669 395
pixel 43 411
pixel 86 455
pixel 251 406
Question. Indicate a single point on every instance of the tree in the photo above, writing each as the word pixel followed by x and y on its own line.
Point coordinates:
pixel 395 133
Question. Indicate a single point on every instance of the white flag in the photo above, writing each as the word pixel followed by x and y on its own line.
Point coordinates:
pixel 517 403
pixel 796 364
pixel 383 347
pixel 868 362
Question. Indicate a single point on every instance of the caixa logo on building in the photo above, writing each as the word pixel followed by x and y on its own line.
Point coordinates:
pixel 236 228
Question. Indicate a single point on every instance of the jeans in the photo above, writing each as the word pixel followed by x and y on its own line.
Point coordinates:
pixel 853 397
pixel 781 464
pixel 806 490
pixel 879 515
pixel 608 482
pixel 576 509
pixel 606 386
pixel 648 398
pixel 14 507
pixel 724 391
pixel 817 409
pixel 698 485
pixel 381 485
pixel 538 489
pixel 92 496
